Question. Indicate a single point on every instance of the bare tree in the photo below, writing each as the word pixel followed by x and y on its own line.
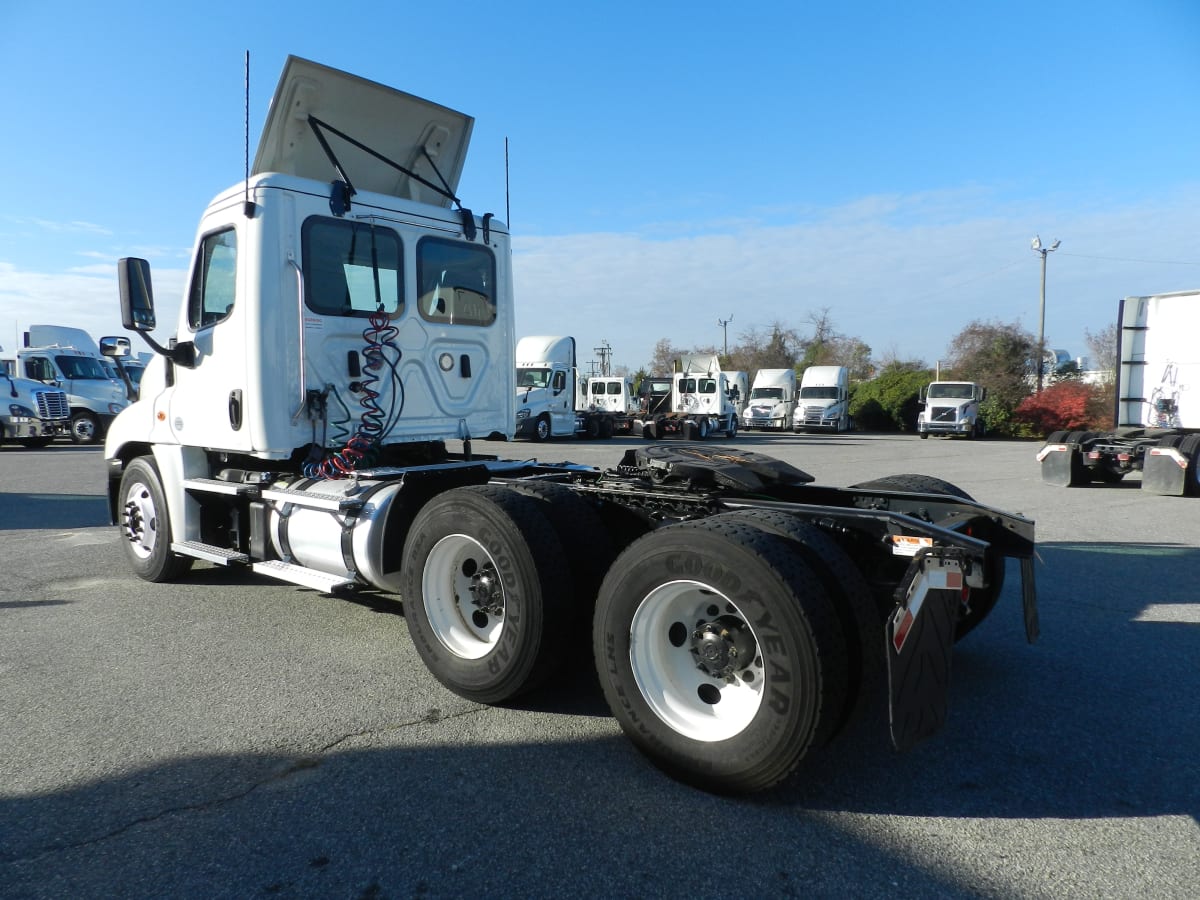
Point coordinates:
pixel 1103 347
pixel 998 356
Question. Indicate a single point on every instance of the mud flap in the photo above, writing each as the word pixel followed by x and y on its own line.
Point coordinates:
pixel 1164 471
pixel 920 637
pixel 1029 600
pixel 1062 465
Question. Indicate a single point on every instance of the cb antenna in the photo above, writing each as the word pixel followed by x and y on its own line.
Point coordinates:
pixel 247 206
pixel 507 211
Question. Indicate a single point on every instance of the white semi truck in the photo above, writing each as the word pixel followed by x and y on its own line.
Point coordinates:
pixel 951 408
pixel 824 403
pixel 347 331
pixel 32 414
pixel 68 358
pixel 552 399
pixel 613 394
pixel 698 405
pixel 772 403
pixel 1157 418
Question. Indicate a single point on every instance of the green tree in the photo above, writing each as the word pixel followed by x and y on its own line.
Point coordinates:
pixel 998 356
pixel 891 400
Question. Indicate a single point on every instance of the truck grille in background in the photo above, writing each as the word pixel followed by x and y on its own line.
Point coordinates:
pixel 52 404
pixel 944 413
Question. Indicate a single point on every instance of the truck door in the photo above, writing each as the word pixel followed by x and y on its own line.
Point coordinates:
pixel 208 404
pixel 562 409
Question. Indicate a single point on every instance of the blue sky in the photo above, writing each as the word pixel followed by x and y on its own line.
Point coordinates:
pixel 671 164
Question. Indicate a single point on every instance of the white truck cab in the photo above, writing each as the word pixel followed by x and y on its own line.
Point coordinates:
pixel 68 358
pixel 824 403
pixel 772 402
pixel 951 408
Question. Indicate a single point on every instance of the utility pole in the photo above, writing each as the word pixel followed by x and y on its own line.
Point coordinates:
pixel 604 351
pixel 1036 246
pixel 724 323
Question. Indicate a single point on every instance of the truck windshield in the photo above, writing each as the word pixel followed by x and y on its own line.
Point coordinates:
pixel 819 393
pixel 83 368
pixel 533 378
pixel 766 393
pixel 949 391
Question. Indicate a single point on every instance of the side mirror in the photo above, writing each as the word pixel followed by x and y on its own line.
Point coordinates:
pixel 117 347
pixel 137 294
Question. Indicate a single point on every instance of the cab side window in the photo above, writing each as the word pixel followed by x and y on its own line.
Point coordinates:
pixel 213 280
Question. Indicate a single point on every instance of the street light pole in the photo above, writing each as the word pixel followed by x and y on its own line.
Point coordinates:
pixel 1036 246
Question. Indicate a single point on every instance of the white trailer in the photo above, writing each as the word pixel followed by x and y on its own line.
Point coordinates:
pixel 772 403
pixel 347 329
pixel 1157 418
pixel 824 403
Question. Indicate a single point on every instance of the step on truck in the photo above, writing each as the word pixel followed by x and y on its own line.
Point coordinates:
pixel 552 398
pixel 346 333
pixel 697 404
pixel 1157 417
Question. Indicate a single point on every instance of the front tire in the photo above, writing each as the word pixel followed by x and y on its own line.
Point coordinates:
pixel 85 428
pixel 486 592
pixel 541 429
pixel 719 654
pixel 146 525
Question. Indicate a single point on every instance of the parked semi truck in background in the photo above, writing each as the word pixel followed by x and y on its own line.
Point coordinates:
pixel 697 405
pixel 772 403
pixel 613 394
pixel 32 414
pixel 1157 418
pixel 552 399
pixel 824 403
pixel 951 408
pixel 68 358
pixel 316 426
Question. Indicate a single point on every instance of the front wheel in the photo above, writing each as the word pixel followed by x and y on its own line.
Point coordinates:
pixel 719 654
pixel 146 526
pixel 486 592
pixel 541 428
pixel 85 428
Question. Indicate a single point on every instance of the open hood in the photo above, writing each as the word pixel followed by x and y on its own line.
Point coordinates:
pixel 395 125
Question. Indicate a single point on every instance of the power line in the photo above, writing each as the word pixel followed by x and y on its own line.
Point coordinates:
pixel 1157 262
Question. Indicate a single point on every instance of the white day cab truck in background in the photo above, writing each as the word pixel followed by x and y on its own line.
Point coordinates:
pixel 32 414
pixel 1157 418
pixel 68 358
pixel 347 331
pixel 951 408
pixel 552 400
pixel 824 403
pixel 772 403
pixel 697 405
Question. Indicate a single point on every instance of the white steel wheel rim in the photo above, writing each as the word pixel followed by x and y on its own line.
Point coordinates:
pixel 141 520
pixel 667 674
pixel 456 564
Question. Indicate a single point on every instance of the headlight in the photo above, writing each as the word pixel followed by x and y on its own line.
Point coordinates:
pixel 522 414
pixel 16 409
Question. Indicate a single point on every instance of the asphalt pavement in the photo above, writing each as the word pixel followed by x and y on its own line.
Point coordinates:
pixel 230 736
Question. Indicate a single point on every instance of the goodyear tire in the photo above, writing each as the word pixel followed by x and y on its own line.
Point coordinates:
pixel 860 618
pixel 486 592
pixel 146 525
pixel 587 545
pixel 719 654
pixel 980 601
